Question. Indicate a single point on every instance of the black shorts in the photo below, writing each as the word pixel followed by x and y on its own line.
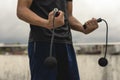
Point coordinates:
pixel 66 62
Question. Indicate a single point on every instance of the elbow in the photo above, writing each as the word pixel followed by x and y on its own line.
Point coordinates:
pixel 86 32
pixel 19 14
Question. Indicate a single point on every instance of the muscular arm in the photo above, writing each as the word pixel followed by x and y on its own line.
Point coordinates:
pixel 76 25
pixel 25 14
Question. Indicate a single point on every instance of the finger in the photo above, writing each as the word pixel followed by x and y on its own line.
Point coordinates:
pixel 93 22
pixel 89 23
pixel 51 13
pixel 61 13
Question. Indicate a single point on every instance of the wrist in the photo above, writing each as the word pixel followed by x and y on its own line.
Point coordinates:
pixel 46 24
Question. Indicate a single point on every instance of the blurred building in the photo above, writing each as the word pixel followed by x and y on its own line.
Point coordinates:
pixel 80 48
pixel 13 49
pixel 97 48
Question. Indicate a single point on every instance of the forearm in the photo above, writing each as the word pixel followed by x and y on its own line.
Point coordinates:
pixel 75 24
pixel 30 17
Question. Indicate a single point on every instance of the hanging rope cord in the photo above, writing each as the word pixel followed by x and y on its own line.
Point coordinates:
pixel 106 44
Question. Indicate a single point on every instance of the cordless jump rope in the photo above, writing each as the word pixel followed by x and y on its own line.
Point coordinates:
pixel 51 61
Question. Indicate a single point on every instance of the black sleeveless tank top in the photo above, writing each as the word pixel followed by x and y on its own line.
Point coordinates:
pixel 42 9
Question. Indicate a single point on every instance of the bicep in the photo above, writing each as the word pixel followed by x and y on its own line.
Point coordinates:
pixel 24 3
pixel 69 7
pixel 23 7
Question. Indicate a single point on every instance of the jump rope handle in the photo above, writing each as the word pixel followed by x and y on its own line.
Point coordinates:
pixel 56 11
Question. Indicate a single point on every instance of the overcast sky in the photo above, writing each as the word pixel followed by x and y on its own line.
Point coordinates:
pixel 13 30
